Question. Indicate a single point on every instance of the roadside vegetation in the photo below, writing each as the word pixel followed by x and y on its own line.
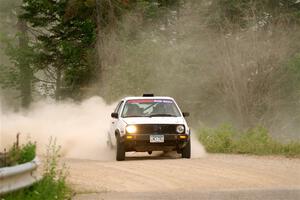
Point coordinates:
pixel 53 184
pixel 18 154
pixel 258 141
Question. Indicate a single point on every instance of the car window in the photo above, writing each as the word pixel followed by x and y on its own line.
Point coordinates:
pixel 118 106
pixel 150 108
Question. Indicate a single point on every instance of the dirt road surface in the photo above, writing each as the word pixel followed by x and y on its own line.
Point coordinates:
pixel 210 177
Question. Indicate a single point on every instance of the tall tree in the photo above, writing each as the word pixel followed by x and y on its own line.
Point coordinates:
pixel 65 41
pixel 64 33
pixel 25 70
pixel 18 75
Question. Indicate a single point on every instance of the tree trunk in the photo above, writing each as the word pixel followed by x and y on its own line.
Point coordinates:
pixel 58 84
pixel 99 43
pixel 25 70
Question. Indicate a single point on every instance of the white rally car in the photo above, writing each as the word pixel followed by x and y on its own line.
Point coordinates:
pixel 148 123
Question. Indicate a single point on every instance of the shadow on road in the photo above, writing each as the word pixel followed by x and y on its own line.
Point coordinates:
pixel 135 156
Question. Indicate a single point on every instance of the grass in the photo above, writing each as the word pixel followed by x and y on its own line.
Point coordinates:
pixel 19 155
pixel 257 141
pixel 53 184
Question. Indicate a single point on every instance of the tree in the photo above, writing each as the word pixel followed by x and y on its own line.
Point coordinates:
pixel 18 75
pixel 232 15
pixel 26 74
pixel 64 33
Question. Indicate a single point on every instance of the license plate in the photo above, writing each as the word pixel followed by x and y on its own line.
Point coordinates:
pixel 157 138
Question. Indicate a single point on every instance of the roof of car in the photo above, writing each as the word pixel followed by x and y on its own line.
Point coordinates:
pixel 155 97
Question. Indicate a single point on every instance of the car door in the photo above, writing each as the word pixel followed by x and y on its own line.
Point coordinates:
pixel 114 123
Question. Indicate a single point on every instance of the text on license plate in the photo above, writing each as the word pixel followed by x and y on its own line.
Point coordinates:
pixel 157 138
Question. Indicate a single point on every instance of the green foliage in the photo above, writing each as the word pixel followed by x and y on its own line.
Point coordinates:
pixel 155 9
pixel 218 140
pixel 53 184
pixel 64 32
pixel 292 149
pixel 293 71
pixel 225 139
pixel 27 152
pixel 19 155
pixel 229 14
pixel 257 141
pixel 61 48
pixel 11 75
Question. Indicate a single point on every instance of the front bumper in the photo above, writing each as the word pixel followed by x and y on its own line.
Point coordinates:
pixel 141 142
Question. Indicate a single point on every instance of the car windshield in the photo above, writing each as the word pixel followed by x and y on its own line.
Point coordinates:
pixel 150 108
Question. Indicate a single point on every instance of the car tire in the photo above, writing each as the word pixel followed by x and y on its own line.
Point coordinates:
pixel 120 155
pixel 186 151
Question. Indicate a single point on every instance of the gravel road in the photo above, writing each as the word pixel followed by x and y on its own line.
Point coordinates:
pixel 211 177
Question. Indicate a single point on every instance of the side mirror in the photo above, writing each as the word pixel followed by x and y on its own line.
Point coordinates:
pixel 186 114
pixel 115 115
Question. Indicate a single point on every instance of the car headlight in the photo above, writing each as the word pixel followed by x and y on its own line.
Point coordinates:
pixel 180 129
pixel 131 129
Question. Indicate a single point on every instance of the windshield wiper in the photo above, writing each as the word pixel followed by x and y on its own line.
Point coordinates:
pixel 162 115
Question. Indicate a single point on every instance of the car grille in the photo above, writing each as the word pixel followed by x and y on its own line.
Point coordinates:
pixel 156 128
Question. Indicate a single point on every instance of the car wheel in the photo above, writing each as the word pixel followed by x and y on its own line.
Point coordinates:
pixel 186 151
pixel 120 150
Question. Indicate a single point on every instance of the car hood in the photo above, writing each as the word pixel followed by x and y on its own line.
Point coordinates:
pixel 154 120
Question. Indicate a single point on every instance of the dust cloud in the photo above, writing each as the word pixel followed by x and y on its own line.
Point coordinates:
pixel 198 149
pixel 79 128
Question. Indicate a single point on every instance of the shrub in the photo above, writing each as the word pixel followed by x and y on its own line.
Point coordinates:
pixel 258 141
pixel 292 149
pixel 218 140
pixel 53 184
pixel 19 155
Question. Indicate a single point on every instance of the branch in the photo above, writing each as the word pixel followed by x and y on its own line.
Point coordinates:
pixel 51 82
